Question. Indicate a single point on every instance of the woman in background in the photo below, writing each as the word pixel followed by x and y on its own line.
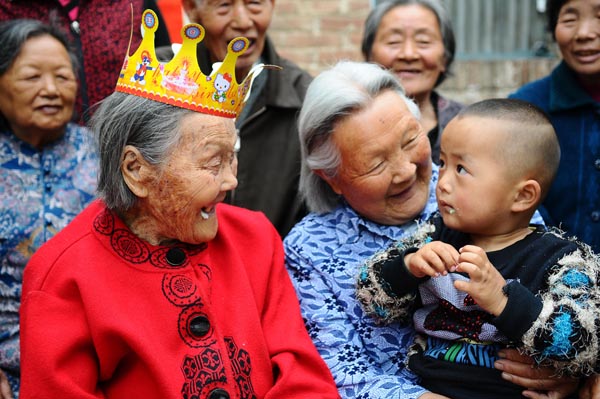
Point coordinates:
pixel 414 39
pixel 47 165
pixel 570 96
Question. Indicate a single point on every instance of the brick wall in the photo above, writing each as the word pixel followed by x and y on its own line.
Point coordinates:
pixel 317 33
pixel 476 80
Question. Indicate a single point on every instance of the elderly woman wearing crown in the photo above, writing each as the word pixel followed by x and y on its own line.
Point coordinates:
pixel 157 290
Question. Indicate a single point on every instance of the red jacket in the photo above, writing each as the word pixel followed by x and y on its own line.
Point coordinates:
pixel 107 315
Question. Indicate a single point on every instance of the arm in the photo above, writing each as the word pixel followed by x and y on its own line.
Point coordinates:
pixel 385 288
pixel 558 328
pixel 565 335
pixel 5 391
pixel 591 388
pixel 388 281
pixel 365 360
pixel 56 348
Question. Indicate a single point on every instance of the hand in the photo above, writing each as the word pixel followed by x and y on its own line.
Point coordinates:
pixel 432 259
pixel 5 391
pixel 540 382
pixel 485 282
pixel 591 388
pixel 431 395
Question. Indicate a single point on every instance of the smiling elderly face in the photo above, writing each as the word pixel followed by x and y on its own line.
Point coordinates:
pixel 385 161
pixel 577 33
pixel 226 20
pixel 409 43
pixel 38 91
pixel 177 200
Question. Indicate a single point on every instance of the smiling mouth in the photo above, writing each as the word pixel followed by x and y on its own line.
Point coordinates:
pixel 206 213
pixel 408 71
pixel 49 108
pixel 586 53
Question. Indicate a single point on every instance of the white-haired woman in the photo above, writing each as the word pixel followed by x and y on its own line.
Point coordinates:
pixel 158 290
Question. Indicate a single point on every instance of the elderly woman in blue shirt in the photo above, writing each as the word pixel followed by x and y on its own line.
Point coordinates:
pixel 368 179
pixel 48 166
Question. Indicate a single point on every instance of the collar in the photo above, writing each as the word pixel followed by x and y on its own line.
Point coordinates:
pixel 350 226
pixel 566 92
pixel 110 229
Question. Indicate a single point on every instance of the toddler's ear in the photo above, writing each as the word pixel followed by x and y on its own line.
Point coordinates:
pixel 527 196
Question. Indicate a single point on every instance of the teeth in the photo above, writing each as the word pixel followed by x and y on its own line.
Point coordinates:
pixel 204 215
pixel 451 211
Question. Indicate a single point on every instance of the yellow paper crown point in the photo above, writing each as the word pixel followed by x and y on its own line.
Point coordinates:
pixel 180 82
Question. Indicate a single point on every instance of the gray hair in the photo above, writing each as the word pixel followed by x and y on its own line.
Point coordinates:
pixel 333 95
pixel 122 119
pixel 380 10
pixel 13 36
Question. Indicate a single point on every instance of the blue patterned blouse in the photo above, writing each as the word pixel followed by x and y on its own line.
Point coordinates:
pixel 40 192
pixel 323 255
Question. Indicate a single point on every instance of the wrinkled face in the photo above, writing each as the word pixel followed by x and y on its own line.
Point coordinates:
pixel 474 190
pixel 201 169
pixel 409 43
pixel 577 33
pixel 39 90
pixel 225 20
pixel 385 161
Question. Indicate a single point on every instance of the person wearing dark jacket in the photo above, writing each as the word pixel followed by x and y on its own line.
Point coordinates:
pixel 269 155
pixel 570 95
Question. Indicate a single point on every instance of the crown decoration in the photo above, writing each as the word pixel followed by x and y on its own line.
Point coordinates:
pixel 180 82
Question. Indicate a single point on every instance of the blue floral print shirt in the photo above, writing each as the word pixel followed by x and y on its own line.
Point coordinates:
pixel 323 256
pixel 40 192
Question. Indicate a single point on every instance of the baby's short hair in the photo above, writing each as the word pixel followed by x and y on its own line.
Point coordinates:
pixel 531 147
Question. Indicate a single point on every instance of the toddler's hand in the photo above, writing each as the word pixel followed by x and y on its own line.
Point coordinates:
pixel 486 282
pixel 433 259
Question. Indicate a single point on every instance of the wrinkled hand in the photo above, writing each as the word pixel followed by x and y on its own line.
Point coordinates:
pixel 5 391
pixel 485 282
pixel 432 259
pixel 539 382
pixel 591 388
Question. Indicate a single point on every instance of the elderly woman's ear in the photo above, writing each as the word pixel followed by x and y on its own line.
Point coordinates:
pixel 330 180
pixel 137 172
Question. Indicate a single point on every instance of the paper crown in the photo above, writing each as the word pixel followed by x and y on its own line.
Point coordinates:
pixel 180 82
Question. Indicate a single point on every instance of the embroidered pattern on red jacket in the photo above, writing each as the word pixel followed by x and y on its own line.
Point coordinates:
pixel 204 371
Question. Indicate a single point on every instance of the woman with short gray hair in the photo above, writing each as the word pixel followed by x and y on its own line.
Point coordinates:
pixel 151 127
